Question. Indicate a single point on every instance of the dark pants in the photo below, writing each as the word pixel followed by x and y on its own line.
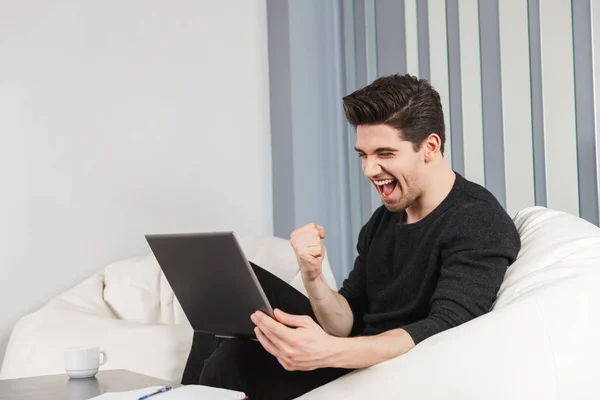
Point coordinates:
pixel 242 364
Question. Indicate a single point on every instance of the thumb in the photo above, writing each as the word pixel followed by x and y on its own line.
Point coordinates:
pixel 289 319
pixel 321 231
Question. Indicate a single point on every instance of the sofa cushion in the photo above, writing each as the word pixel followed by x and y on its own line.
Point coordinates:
pixel 277 256
pixel 554 246
pixel 274 254
pixel 136 290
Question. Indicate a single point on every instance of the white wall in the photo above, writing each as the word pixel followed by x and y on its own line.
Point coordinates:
pixel 120 118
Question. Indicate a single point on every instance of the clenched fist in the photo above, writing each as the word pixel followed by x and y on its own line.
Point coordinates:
pixel 310 250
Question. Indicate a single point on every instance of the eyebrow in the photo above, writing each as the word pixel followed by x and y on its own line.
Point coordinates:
pixel 378 150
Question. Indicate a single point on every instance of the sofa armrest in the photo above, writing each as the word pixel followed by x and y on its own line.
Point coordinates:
pixel 542 346
pixel 502 355
pixel 37 342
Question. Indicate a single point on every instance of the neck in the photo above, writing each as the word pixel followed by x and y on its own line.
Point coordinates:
pixel 437 186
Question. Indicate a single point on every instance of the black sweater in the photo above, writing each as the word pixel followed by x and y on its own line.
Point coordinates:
pixel 434 274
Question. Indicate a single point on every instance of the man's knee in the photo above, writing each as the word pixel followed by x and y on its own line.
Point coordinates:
pixel 210 375
pixel 225 368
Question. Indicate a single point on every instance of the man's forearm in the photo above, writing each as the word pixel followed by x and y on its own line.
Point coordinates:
pixel 331 308
pixel 365 351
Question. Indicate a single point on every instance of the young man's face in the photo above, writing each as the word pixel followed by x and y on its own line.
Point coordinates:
pixel 392 164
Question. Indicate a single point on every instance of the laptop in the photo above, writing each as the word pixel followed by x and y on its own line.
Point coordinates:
pixel 213 281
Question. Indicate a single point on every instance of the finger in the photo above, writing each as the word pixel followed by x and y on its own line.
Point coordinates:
pixel 296 365
pixel 278 334
pixel 314 247
pixel 271 337
pixel 266 343
pixel 305 241
pixel 310 257
pixel 312 252
pixel 309 233
pixel 305 366
pixel 321 231
pixel 291 319
pixel 285 364
pixel 309 226
pixel 303 230
pixel 308 238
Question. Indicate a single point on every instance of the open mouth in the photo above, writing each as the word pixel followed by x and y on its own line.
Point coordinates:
pixel 386 187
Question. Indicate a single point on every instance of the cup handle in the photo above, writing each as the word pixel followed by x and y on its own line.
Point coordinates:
pixel 103 357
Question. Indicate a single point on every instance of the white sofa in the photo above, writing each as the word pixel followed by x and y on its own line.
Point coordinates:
pixel 129 310
pixel 540 341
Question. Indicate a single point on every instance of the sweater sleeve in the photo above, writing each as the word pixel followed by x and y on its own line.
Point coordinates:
pixel 477 248
pixel 354 288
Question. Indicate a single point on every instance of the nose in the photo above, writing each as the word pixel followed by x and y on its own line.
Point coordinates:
pixel 370 167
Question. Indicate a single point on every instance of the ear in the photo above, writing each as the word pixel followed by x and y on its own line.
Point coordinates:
pixel 432 146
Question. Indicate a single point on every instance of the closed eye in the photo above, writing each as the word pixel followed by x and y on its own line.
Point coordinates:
pixel 384 154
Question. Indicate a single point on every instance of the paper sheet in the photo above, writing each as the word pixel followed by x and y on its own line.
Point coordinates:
pixel 181 393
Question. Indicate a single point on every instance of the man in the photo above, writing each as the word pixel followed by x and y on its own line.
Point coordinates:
pixel 431 258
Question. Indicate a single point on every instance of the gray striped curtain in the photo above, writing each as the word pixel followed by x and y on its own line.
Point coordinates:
pixel 518 79
pixel 519 83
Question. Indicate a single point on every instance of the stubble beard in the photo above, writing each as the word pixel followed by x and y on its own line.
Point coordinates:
pixel 403 203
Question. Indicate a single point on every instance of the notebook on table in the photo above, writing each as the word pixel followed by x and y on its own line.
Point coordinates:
pixel 181 393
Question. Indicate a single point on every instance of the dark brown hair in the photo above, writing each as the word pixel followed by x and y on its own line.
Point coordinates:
pixel 410 105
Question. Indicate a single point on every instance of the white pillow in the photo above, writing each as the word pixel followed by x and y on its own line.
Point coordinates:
pixel 274 254
pixel 554 246
pixel 277 256
pixel 137 290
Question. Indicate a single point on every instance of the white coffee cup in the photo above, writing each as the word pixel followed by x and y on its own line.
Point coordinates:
pixel 83 362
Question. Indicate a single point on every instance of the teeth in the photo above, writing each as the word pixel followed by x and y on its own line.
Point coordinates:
pixel 381 183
